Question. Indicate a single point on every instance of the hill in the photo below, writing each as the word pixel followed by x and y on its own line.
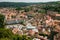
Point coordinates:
pixel 54 6
pixel 20 4
pixel 15 4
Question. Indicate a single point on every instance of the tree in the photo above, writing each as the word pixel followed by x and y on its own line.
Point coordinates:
pixel 2 20
pixel 13 16
pixel 27 9
pixel 52 34
pixel 6 34
pixel 18 9
pixel 45 8
pixel 41 11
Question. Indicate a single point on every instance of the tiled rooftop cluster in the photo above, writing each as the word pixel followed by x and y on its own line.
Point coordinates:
pixel 31 23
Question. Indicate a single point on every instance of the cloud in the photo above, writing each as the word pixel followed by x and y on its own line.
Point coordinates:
pixel 27 0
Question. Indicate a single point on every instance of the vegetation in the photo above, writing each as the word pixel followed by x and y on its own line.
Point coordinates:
pixel 53 6
pixel 6 34
pixel 18 9
pixel 13 4
pixel 26 9
pixel 21 21
pixel 41 11
pixel 2 20
pixel 13 16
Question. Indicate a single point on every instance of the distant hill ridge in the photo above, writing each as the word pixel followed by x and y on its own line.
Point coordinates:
pixel 15 4
pixel 22 4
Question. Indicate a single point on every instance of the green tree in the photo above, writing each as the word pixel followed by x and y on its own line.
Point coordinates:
pixel 6 34
pixel 13 16
pixel 2 20
pixel 41 11
pixel 18 9
pixel 27 9
pixel 45 8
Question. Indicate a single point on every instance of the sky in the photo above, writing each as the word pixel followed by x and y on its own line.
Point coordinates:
pixel 27 0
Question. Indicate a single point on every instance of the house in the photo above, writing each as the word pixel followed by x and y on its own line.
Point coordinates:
pixel 29 26
pixel 17 31
pixel 14 24
pixel 36 39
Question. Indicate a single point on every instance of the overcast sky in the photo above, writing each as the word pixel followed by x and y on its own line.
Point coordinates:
pixel 27 0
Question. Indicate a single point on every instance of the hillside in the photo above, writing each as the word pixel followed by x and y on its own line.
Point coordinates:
pixel 20 4
pixel 15 4
pixel 54 6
